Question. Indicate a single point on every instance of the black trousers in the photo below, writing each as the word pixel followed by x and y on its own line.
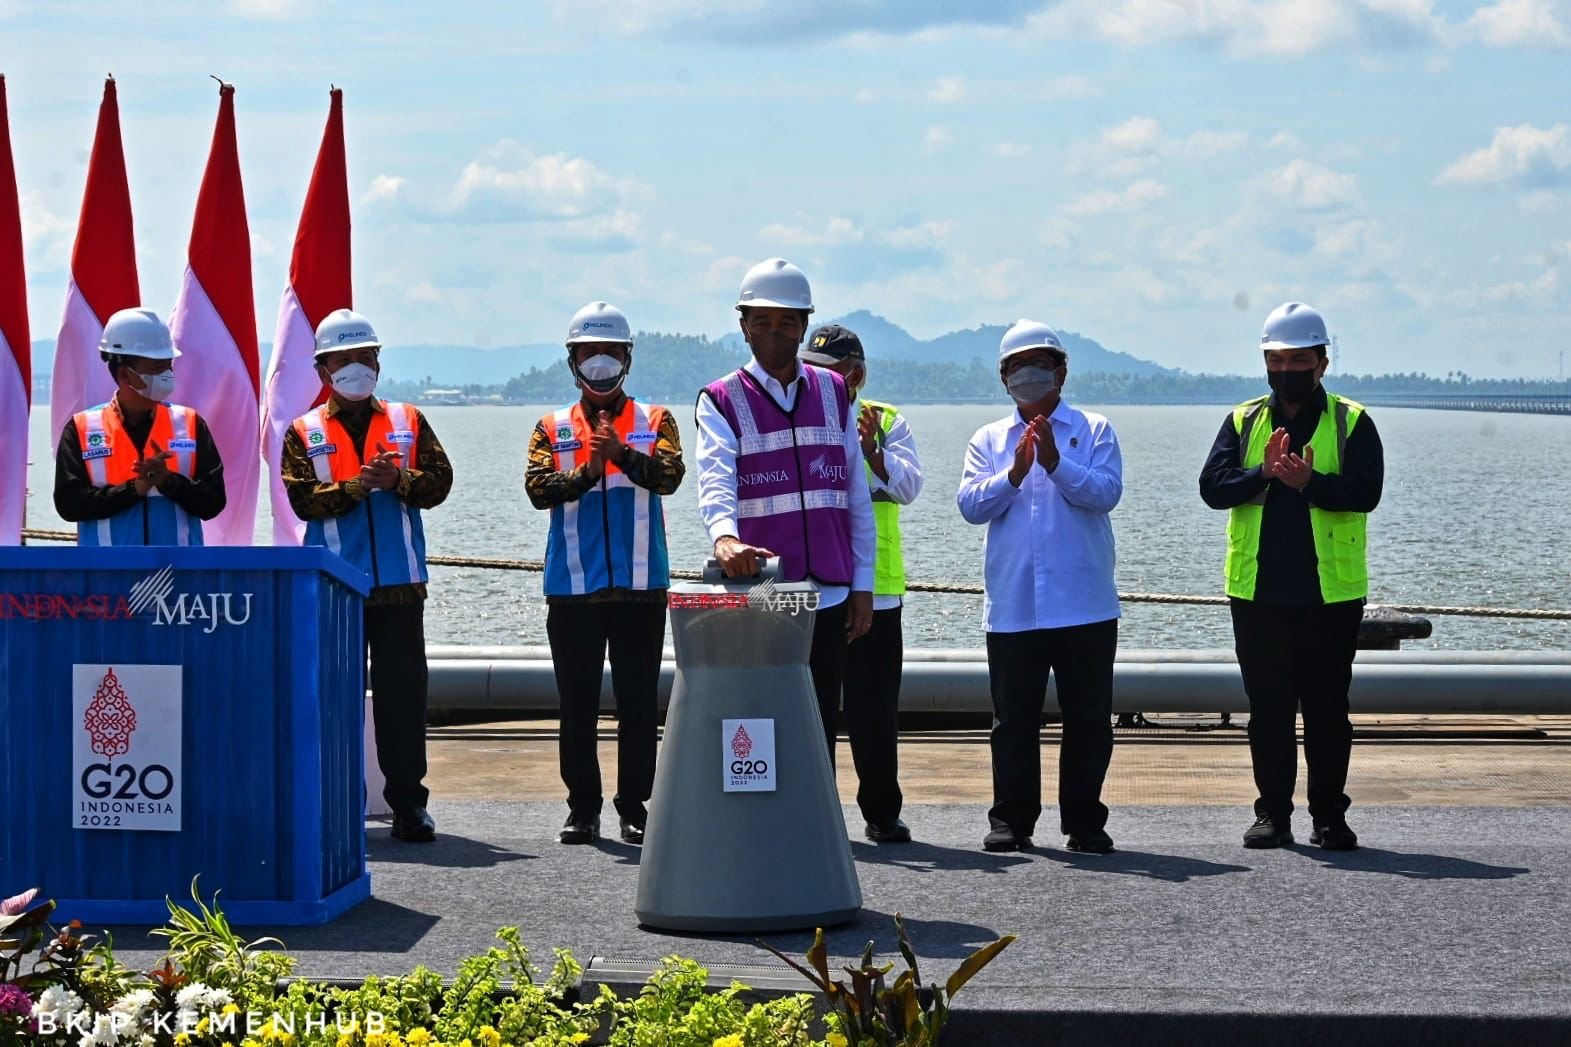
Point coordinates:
pixel 395 641
pixel 580 634
pixel 1080 658
pixel 873 665
pixel 1298 658
pixel 827 662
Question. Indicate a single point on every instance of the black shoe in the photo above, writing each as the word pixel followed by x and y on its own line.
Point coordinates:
pixel 414 826
pixel 892 831
pixel 1268 832
pixel 631 832
pixel 1335 836
pixel 579 829
pixel 1094 842
pixel 1005 840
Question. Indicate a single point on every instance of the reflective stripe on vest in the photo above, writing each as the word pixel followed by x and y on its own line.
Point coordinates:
pixel 1339 537
pixel 382 536
pixel 110 455
pixel 889 569
pixel 614 534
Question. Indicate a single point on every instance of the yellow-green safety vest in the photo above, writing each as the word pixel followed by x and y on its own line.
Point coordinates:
pixel 889 569
pixel 1339 536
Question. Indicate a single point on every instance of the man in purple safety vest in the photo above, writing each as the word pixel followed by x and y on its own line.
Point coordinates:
pixel 780 476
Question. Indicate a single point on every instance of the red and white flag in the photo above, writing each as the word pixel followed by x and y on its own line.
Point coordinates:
pixel 103 275
pixel 16 357
pixel 214 326
pixel 318 283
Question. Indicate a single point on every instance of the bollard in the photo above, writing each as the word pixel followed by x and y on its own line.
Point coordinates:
pixel 1384 629
pixel 745 830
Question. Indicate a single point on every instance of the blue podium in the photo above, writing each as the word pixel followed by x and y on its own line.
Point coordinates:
pixel 173 713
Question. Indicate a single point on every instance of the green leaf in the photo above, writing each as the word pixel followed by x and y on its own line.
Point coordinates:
pixel 975 962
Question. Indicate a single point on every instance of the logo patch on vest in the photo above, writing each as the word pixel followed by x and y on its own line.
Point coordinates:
pixel 564 432
pixel 321 449
pixel 182 445
pixel 98 451
pixel 566 445
pixel 642 438
pixel 402 436
pixel 768 476
pixel 821 468
pixel 314 437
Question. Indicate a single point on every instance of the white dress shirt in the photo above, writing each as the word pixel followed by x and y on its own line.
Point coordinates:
pixel 905 476
pixel 1049 552
pixel 716 452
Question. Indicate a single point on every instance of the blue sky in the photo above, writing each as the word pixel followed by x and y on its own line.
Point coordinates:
pixel 1156 174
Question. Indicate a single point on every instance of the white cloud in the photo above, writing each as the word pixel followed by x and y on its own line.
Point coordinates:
pixel 1284 140
pixel 673 242
pixel 1132 198
pixel 1523 155
pixel 936 139
pixel 1120 151
pixel 270 9
pixel 865 95
pixel 923 234
pixel 947 89
pixel 511 183
pixel 383 187
pixel 1287 28
pixel 1310 187
pixel 603 234
pixel 46 236
pixel 1542 288
pixel 835 232
pixel 1540 201
pixel 1214 143
pixel 1071 87
pixel 1011 150
pixel 1519 23
pixel 1359 239
pixel 1058 234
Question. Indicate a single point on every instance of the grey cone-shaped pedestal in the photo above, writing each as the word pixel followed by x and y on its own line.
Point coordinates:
pixel 721 861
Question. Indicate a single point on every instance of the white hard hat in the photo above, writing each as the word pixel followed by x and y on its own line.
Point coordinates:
pixel 345 329
pixel 775 282
pixel 1028 334
pixel 599 322
pixel 1294 325
pixel 137 332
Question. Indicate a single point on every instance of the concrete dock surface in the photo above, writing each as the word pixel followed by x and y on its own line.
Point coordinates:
pixel 1451 925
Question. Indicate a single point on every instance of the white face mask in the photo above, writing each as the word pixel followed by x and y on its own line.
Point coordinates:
pixel 602 373
pixel 354 381
pixel 160 386
pixel 1030 384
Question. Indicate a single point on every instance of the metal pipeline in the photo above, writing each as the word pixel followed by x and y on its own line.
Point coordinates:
pixel 520 679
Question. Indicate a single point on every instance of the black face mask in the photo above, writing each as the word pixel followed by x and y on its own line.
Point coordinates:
pixel 1292 387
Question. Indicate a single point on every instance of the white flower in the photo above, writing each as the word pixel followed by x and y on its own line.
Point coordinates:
pixel 58 1002
pixel 134 1003
pixel 103 1034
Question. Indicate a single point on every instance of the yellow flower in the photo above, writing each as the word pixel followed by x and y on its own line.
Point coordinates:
pixel 418 1038
pixel 182 1039
pixel 231 1008
pixel 834 1039
pixel 579 1037
pixel 732 1040
pixel 489 1037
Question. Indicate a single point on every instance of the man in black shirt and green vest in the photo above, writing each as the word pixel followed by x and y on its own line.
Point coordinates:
pixel 1299 470
pixel 874 662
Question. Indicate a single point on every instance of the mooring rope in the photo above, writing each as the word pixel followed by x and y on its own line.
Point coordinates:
pixel 492 564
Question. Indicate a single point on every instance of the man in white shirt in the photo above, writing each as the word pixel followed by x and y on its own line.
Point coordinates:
pixel 874 663
pixel 776 443
pixel 1044 480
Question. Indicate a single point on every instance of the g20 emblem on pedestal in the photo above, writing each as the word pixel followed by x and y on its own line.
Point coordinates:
pixel 125 751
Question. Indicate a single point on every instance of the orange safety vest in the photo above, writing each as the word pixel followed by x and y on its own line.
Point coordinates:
pixel 110 456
